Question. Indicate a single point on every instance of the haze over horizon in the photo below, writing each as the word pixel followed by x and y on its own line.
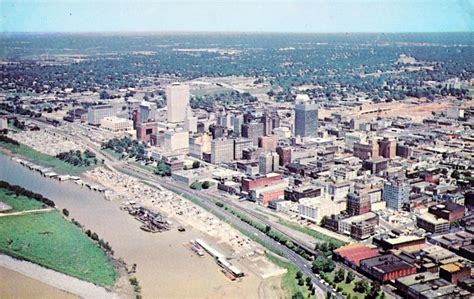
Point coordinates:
pixel 266 16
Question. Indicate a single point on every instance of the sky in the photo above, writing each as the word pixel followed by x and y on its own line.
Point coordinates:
pixel 237 16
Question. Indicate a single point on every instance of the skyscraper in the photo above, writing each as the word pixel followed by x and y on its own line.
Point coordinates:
pixel 190 121
pixel 396 193
pixel 268 162
pixel 177 99
pixel 252 131
pixel 306 117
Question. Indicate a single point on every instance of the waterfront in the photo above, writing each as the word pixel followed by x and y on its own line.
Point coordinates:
pixel 165 268
pixel 16 285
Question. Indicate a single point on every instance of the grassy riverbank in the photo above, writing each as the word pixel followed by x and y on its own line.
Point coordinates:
pixel 43 159
pixel 19 203
pixel 47 239
pixel 289 281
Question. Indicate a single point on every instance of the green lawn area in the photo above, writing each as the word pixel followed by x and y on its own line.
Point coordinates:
pixel 46 238
pixel 289 282
pixel 347 288
pixel 43 159
pixel 19 203
pixel 311 232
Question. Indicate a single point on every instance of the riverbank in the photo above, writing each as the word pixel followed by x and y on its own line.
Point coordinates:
pixel 165 267
pixel 16 285
pixel 49 277
pixel 41 158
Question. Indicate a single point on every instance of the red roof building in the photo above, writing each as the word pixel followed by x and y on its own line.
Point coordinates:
pixel 352 254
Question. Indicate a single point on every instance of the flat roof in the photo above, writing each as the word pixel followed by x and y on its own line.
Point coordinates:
pixel 453 267
pixel 417 278
pixel 403 239
pixel 386 263
pixel 428 217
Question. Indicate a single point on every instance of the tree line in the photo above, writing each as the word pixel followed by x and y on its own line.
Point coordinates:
pixel 18 190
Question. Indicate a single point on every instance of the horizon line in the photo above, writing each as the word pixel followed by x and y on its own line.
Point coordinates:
pixel 225 32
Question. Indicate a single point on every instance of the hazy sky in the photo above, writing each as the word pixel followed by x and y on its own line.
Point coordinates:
pixel 237 15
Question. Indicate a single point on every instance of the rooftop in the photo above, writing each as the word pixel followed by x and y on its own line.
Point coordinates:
pixel 386 263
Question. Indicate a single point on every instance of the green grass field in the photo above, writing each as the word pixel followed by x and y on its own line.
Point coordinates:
pixel 289 282
pixel 43 159
pixel 19 203
pixel 46 238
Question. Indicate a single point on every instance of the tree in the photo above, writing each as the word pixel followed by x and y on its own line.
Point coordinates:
pixel 300 282
pixel 65 212
pixel 299 275
pixel 374 291
pixel 308 281
pixel 206 185
pixel 268 228
pixel 361 286
pixel 339 276
pixel 297 295
pixel 350 277
pixel 318 264
pixel 95 237
pixel 196 164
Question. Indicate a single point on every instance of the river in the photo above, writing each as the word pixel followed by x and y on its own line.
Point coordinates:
pixel 165 268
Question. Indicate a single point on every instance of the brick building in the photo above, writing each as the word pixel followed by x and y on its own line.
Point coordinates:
pixel 260 181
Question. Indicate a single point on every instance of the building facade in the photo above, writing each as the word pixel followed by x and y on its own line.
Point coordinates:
pixel 306 117
pixel 222 150
pixel 177 99
pixel 396 194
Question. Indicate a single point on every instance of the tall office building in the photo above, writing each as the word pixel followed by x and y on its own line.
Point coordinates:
pixel 190 121
pixel 252 131
pixel 271 120
pixel 133 105
pixel 147 111
pixel 224 120
pixel 177 99
pixel 358 204
pixel 222 150
pixel 306 117
pixel 239 145
pixel 268 162
pixel 388 148
pixel 237 121
pixel 396 193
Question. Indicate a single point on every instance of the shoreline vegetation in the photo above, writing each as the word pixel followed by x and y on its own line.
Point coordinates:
pixel 10 145
pixel 49 239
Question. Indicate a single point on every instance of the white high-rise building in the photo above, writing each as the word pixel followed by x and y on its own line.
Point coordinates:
pixel 237 121
pixel 190 121
pixel 306 117
pixel 176 141
pixel 177 99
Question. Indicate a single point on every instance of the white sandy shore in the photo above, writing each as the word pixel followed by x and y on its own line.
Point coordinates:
pixel 58 280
